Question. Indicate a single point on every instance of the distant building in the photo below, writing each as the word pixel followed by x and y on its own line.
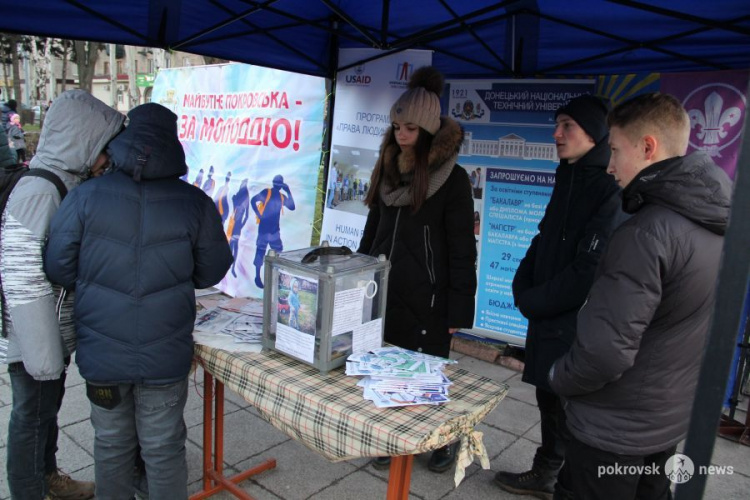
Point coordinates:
pixel 509 146
pixel 143 64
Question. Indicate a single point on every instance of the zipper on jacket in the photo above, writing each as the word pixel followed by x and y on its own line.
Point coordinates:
pixel 594 243
pixel 429 262
pixel 60 300
pixel 395 228
pixel 567 202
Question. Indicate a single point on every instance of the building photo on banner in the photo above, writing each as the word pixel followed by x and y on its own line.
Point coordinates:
pixel 252 138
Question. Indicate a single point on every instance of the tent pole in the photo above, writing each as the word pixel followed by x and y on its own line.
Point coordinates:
pixel 333 63
pixel 722 339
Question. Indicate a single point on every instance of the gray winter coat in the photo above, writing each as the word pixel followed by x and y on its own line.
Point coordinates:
pixel 76 130
pixel 630 376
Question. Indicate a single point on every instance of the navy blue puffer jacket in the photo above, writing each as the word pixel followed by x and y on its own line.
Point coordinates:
pixel 135 243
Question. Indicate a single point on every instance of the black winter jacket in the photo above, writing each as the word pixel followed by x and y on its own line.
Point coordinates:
pixel 630 377
pixel 554 277
pixel 135 244
pixel 432 282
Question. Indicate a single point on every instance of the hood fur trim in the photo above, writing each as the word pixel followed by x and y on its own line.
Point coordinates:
pixel 442 157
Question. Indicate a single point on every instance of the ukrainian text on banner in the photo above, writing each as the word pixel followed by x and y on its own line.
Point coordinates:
pixel 510 156
pixel 364 96
pixel 252 138
pixel 716 104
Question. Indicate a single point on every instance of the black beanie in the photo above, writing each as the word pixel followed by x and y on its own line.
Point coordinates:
pixel 590 113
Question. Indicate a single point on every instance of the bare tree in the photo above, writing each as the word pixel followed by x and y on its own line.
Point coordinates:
pixel 41 57
pixel 14 42
pixel 86 54
pixel 65 54
pixel 6 53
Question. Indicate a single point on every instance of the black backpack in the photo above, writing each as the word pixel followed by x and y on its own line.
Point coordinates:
pixel 9 177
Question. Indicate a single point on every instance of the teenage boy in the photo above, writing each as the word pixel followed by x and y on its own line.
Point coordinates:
pixel 554 277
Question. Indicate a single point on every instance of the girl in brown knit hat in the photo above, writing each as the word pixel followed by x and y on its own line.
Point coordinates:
pixel 422 218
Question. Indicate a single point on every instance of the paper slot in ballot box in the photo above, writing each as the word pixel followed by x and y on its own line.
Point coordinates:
pixel 320 304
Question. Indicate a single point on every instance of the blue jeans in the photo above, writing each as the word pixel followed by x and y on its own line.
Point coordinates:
pixel 32 432
pixel 150 416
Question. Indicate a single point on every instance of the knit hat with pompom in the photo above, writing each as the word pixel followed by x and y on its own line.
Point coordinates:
pixel 420 104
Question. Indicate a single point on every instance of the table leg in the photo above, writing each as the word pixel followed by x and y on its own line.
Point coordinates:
pixel 213 456
pixel 399 477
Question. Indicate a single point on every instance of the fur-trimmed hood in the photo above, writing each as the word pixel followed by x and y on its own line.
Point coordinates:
pixel 445 146
pixel 443 155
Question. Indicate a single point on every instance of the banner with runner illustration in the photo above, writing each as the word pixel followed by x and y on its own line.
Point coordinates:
pixel 252 138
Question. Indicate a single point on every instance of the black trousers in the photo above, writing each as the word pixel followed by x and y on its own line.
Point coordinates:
pixel 594 474
pixel 551 454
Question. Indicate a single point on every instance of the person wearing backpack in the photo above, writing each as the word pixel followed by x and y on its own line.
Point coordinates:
pixel 38 337
pixel 268 206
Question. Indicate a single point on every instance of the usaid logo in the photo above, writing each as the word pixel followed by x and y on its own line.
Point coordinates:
pixel 715 112
pixel 359 77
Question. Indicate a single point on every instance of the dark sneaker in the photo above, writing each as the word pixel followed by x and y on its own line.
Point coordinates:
pixel 63 487
pixel 443 458
pixel 381 463
pixel 540 484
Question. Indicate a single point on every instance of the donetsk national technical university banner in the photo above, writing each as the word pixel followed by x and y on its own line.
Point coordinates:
pixel 252 138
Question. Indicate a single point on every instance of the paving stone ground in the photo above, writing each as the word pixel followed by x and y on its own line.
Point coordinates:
pixel 511 434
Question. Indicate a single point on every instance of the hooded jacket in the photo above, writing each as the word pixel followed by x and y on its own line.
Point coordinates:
pixel 630 377
pixel 135 243
pixel 432 281
pixel 6 111
pixel 77 128
pixel 555 275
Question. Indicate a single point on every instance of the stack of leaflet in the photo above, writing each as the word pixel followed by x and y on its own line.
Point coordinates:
pixel 400 377
pixel 241 319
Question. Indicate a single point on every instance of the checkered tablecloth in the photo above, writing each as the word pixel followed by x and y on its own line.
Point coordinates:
pixel 328 414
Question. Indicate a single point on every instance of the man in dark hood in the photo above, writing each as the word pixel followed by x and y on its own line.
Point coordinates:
pixel 135 243
pixel 629 379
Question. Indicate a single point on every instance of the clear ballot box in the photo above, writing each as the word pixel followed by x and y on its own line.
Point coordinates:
pixel 320 304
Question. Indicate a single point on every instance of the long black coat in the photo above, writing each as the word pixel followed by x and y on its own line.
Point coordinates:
pixel 555 276
pixel 432 282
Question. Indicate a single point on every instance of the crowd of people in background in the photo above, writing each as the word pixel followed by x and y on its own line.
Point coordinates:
pixel 345 187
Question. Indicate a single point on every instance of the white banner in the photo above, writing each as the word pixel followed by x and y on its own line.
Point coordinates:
pixel 364 96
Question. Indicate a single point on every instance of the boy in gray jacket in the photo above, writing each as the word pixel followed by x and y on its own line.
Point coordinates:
pixel 38 340
pixel 630 377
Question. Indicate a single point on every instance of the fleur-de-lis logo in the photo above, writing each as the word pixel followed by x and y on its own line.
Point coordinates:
pixel 712 123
